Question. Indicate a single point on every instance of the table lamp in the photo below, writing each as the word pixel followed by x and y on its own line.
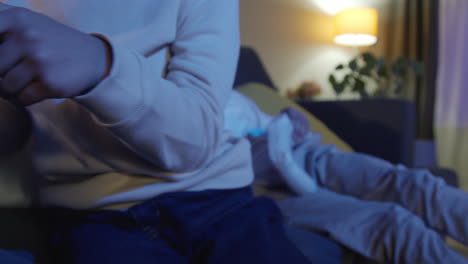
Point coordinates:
pixel 356 27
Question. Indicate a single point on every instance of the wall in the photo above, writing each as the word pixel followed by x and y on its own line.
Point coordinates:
pixel 294 40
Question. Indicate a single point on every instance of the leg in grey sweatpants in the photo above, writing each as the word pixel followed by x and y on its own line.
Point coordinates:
pixel 410 199
pixel 440 206
pixel 382 231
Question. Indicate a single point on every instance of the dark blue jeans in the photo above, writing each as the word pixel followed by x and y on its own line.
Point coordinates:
pixel 214 226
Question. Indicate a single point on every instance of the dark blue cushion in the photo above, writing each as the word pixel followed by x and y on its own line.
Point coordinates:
pixel 250 69
pixel 384 128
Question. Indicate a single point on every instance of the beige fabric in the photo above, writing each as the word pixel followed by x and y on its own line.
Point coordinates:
pixel 452 150
pixel 17 181
pixel 272 103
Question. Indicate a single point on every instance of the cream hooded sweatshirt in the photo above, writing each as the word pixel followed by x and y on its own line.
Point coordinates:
pixel 155 124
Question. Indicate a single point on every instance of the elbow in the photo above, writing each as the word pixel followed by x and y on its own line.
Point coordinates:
pixel 189 157
pixel 181 155
pixel 189 161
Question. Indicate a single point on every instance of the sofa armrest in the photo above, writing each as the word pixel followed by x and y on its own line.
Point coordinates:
pixel 449 176
pixel 250 69
pixel 384 128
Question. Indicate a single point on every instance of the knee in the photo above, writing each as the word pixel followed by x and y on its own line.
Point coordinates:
pixel 399 216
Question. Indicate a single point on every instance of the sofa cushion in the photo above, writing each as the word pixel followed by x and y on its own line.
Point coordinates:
pixel 251 69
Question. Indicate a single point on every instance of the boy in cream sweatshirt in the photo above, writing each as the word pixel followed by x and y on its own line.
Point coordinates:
pixel 127 105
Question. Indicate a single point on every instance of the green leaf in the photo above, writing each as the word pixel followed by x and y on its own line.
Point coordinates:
pixel 366 71
pixel 381 66
pixel 382 72
pixel 359 85
pixel 339 67
pixel 369 59
pixel 368 56
pixel 353 65
pixel 339 88
pixel 332 80
pixel 347 79
pixel 363 93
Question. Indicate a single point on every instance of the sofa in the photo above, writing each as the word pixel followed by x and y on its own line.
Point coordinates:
pixel 385 128
pixel 26 228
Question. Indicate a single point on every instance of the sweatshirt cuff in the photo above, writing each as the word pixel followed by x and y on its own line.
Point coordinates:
pixel 118 96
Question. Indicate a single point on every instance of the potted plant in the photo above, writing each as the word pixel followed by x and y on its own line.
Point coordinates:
pixel 372 76
pixel 384 126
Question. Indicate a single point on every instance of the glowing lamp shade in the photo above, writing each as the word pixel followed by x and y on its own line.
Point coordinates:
pixel 356 27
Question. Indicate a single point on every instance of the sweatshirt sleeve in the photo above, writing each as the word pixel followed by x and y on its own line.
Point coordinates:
pixel 176 121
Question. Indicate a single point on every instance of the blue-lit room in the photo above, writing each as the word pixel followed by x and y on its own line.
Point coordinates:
pixel 233 131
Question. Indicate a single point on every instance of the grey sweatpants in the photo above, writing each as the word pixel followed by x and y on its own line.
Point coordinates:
pixel 385 212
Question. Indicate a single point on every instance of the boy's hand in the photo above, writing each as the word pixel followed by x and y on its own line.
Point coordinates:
pixel 41 58
pixel 300 124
